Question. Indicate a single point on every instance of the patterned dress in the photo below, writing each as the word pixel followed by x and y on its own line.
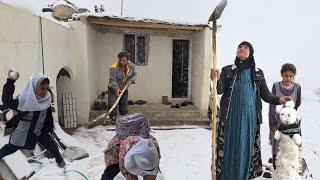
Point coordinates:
pixel 117 149
pixel 239 154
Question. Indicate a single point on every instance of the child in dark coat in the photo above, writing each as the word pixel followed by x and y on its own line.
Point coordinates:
pixel 34 122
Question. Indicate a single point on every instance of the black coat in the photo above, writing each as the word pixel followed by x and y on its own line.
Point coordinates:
pixel 29 126
pixel 225 86
pixel 7 95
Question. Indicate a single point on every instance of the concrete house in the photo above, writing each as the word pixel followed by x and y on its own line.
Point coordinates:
pixel 173 59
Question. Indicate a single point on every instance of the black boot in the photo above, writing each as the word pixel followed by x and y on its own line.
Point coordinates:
pixel 110 172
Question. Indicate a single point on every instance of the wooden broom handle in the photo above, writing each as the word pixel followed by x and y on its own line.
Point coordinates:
pixel 113 106
pixel 118 99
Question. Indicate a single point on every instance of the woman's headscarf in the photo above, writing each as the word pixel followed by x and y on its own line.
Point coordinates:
pixel 28 101
pixel 249 62
pixel 142 159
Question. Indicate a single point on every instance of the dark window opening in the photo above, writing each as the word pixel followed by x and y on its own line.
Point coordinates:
pixel 180 69
pixel 136 46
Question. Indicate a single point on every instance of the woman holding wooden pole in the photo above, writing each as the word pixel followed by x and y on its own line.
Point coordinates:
pixel 242 86
pixel 213 18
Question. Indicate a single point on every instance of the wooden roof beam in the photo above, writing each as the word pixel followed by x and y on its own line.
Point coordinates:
pixel 142 24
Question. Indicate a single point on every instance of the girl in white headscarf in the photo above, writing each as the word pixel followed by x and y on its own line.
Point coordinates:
pixel 34 122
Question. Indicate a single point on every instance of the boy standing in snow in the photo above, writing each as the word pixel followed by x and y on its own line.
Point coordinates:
pixel 286 87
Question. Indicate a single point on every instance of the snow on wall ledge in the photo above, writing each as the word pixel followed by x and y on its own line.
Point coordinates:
pixel 175 12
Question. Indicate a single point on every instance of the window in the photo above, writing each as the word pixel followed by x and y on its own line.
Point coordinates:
pixel 136 46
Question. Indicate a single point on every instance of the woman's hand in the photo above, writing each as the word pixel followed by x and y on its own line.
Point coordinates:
pixel 117 92
pixel 284 99
pixel 215 73
pixel 129 83
pixel 2 123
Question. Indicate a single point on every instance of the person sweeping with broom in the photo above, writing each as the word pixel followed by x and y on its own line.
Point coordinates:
pixel 122 74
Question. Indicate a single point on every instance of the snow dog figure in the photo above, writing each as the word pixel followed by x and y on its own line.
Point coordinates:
pixel 288 135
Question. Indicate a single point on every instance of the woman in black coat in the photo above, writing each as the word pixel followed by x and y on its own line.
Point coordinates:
pixel 34 122
pixel 242 86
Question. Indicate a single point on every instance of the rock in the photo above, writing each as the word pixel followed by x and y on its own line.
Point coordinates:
pixel 73 153
pixel 63 12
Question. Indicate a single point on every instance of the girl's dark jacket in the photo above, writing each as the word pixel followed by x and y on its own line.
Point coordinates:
pixel 29 126
pixel 225 87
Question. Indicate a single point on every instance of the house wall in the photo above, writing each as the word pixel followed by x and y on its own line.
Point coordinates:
pixel 154 80
pixel 87 54
pixel 63 47
pixel 201 64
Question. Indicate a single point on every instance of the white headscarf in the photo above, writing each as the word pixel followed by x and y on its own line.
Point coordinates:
pixel 142 159
pixel 28 101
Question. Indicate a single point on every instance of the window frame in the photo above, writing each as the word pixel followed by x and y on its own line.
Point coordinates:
pixel 146 47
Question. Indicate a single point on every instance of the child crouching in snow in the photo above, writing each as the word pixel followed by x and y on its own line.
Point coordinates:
pixel 34 122
pixel 286 87
pixel 133 151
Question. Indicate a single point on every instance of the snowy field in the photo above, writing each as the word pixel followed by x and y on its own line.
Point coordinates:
pixel 186 154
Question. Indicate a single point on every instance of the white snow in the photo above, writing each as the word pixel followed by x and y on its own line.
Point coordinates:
pixel 35 7
pixel 185 154
pixel 17 161
pixel 178 11
pixel 280 31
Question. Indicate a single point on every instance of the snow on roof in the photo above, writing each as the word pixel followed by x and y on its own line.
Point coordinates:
pixel 186 12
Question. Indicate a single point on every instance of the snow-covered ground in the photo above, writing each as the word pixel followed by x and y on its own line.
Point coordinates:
pixel 186 154
pixel 280 31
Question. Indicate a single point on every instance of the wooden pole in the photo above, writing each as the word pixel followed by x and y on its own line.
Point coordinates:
pixel 121 7
pixel 118 99
pixel 41 44
pixel 214 103
pixel 213 18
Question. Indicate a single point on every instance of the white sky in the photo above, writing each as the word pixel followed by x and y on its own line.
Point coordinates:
pixel 279 30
